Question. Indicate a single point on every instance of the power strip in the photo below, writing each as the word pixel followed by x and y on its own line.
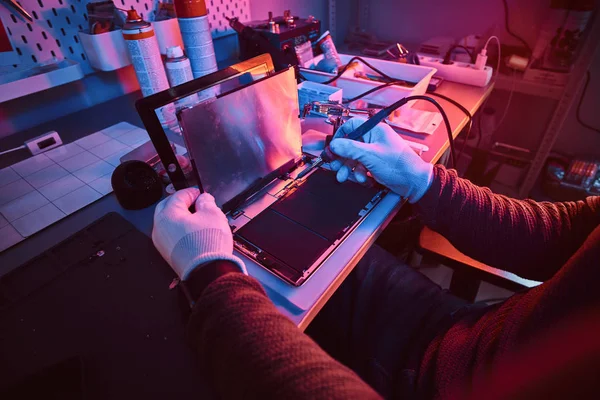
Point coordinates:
pixel 45 142
pixel 459 72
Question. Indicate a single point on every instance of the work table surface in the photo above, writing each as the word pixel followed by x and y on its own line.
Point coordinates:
pixel 330 275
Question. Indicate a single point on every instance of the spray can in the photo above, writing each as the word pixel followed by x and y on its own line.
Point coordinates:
pixel 145 57
pixel 197 39
pixel 328 47
pixel 145 54
pixel 177 66
pixel 179 71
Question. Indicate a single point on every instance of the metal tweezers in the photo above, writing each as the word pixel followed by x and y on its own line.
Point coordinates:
pixel 13 4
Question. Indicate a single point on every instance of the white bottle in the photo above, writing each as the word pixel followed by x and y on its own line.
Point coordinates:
pixel 179 69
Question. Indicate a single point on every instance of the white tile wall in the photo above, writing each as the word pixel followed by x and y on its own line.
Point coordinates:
pixel 107 148
pixel 9 237
pixel 77 199
pixel 63 152
pixel 94 171
pixel 46 176
pixel 41 190
pixel 92 140
pixel 115 159
pixel 135 136
pixel 31 165
pixel 102 184
pixel 8 175
pixel 61 187
pixel 38 220
pixel 119 129
pixel 3 221
pixel 79 161
pixel 23 205
pixel 14 190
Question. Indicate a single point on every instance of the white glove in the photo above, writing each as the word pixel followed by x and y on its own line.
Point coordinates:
pixel 187 240
pixel 388 158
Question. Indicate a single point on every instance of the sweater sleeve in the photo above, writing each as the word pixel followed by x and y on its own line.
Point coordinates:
pixel 530 239
pixel 250 350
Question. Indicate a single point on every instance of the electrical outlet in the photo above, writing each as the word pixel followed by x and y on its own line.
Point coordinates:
pixel 44 142
pixel 458 71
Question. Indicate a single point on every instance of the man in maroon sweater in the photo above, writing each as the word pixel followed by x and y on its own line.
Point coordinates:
pixel 388 325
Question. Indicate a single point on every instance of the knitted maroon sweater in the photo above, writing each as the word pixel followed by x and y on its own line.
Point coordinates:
pixel 250 350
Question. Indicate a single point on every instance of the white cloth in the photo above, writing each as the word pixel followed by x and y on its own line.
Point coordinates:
pixel 384 154
pixel 187 241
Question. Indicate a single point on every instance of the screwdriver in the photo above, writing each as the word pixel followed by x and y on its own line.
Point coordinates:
pixel 327 155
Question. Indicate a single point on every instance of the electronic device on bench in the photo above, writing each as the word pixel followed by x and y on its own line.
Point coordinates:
pixel 247 149
pixel 245 144
pixel 283 33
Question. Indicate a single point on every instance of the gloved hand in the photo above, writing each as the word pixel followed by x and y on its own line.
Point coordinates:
pixel 388 158
pixel 187 240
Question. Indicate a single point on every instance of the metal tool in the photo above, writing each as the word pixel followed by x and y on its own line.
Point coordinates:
pixel 13 4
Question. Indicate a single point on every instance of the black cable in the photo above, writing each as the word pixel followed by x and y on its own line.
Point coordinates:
pixel 345 68
pixel 507 27
pixel 451 50
pixel 578 112
pixel 381 115
pixel 368 92
pixel 403 101
pixel 466 112
pixel 301 76
pixel 462 148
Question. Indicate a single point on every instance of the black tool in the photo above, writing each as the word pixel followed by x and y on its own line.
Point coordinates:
pixel 278 36
pixel 261 44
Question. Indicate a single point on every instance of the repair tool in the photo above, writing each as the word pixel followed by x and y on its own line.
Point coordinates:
pixel 327 155
pixel 15 5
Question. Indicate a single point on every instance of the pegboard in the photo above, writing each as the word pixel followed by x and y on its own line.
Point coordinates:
pixel 53 32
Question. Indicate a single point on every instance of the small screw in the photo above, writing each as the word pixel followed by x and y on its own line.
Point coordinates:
pixel 172 168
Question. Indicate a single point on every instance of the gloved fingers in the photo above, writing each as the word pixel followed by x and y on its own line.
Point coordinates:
pixel 335 165
pixel 182 200
pixel 346 170
pixel 351 149
pixel 205 202
pixel 343 173
pixel 160 207
pixel 349 126
pixel 360 173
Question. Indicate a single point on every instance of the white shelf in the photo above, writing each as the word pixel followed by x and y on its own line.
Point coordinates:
pixel 32 80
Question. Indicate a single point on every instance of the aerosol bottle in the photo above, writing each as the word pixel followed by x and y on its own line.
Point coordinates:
pixel 197 39
pixel 145 57
pixel 179 71
pixel 178 66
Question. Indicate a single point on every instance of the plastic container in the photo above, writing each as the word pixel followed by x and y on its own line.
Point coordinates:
pixel 105 51
pixel 352 86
